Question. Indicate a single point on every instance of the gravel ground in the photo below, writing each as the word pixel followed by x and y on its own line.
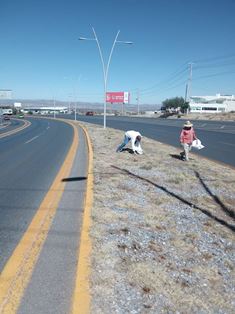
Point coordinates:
pixel 162 230
pixel 226 116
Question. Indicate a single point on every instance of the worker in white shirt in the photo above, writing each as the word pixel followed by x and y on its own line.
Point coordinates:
pixel 135 138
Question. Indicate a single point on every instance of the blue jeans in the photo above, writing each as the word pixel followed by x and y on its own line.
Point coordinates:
pixel 125 141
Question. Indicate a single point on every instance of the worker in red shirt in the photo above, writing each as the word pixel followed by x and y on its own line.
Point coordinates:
pixel 187 136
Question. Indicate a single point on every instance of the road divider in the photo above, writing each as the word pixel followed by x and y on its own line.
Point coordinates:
pixel 26 124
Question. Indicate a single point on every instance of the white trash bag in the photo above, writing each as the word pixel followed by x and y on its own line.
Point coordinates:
pixel 197 144
pixel 139 150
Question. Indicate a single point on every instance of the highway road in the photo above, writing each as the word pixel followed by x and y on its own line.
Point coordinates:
pixel 218 137
pixel 41 207
pixel 29 162
pixel 10 125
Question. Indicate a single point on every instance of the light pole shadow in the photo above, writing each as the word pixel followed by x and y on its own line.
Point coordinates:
pixel 178 197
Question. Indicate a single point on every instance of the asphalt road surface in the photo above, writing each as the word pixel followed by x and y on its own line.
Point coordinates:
pixel 9 125
pixel 218 137
pixel 29 162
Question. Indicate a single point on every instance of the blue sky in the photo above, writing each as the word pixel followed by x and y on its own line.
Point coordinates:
pixel 41 56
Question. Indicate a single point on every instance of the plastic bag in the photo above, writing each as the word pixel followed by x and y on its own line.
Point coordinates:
pixel 197 144
pixel 138 150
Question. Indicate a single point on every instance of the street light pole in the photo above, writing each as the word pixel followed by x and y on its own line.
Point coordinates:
pixel 75 110
pixel 54 106
pixel 105 68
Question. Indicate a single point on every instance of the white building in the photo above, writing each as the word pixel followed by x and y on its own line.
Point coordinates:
pixel 17 105
pixel 46 110
pixel 217 103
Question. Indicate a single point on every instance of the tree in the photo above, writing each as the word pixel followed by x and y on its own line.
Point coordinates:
pixel 173 102
pixel 184 107
pixel 176 102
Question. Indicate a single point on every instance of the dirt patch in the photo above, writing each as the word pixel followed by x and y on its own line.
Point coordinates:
pixel 162 230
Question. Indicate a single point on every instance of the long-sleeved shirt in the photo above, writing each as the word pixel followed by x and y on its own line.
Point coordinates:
pixel 187 136
pixel 132 136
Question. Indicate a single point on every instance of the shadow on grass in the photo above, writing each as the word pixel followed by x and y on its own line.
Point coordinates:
pixel 176 156
pixel 73 179
pixel 227 211
pixel 204 211
pixel 129 150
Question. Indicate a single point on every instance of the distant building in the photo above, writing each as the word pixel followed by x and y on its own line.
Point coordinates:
pixel 17 105
pixel 5 110
pixel 210 104
pixel 5 94
pixel 45 110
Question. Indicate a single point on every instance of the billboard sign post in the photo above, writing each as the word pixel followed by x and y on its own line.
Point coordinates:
pixel 118 97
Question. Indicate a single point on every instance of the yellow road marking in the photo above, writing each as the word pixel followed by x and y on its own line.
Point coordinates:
pixel 18 270
pixel 81 297
pixel 25 125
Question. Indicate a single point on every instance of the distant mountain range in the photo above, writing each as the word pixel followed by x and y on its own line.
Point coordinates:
pixel 26 103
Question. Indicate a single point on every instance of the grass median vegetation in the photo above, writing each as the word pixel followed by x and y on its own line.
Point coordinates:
pixel 162 230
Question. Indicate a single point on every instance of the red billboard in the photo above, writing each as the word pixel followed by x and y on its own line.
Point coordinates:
pixel 118 97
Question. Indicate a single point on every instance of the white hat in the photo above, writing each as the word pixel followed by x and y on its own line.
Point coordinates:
pixel 188 124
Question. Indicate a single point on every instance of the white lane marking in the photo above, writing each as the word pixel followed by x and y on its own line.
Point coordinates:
pixel 35 137
pixel 32 139
pixel 203 125
pixel 222 127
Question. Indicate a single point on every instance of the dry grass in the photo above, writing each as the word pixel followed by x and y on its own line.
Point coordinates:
pixel 162 239
pixel 227 116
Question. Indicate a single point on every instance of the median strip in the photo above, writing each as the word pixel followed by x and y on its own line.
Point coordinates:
pixel 25 125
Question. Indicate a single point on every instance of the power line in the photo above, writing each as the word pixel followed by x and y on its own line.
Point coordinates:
pixel 164 89
pixel 172 80
pixel 215 74
pixel 175 77
pixel 215 65
pixel 206 60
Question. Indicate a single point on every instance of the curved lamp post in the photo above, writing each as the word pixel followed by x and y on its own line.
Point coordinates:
pixel 105 68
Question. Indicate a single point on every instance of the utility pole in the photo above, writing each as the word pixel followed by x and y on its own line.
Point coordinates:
pixel 186 93
pixel 188 89
pixel 189 84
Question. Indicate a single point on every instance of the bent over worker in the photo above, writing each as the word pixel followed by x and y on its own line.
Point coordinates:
pixel 135 138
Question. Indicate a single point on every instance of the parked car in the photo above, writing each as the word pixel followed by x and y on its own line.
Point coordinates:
pixel 20 116
pixel 89 113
